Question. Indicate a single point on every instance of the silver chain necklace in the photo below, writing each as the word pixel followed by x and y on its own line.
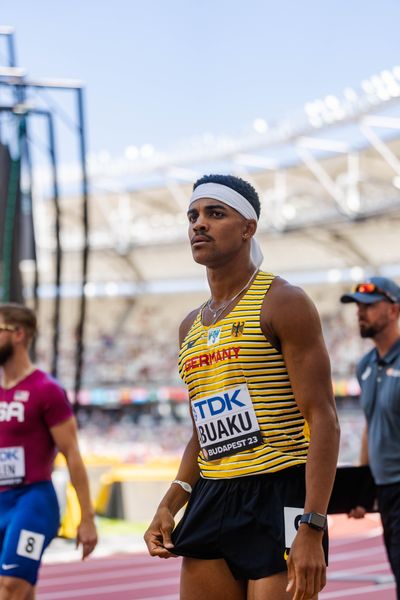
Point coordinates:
pixel 218 311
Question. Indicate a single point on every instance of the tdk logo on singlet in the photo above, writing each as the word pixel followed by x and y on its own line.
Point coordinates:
pixel 9 454
pixel 12 410
pixel 218 404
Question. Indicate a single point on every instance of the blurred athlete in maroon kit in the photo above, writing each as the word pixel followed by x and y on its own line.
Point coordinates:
pixel 36 419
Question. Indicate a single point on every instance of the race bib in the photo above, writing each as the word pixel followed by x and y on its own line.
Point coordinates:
pixel 12 466
pixel 226 423
pixel 292 519
pixel 30 544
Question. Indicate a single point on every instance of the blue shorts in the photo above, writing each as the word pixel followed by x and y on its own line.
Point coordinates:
pixel 29 520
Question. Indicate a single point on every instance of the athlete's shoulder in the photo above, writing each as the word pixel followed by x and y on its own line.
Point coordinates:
pixel 48 387
pixel 46 379
pixel 287 308
pixel 287 295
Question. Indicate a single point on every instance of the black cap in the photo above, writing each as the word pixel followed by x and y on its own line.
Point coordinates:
pixel 387 290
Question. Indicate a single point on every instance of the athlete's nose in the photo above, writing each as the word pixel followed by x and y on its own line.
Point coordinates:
pixel 201 224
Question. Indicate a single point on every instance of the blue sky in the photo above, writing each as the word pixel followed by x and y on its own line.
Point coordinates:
pixel 161 71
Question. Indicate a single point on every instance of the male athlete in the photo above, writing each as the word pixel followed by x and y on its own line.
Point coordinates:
pixel 35 419
pixel 259 468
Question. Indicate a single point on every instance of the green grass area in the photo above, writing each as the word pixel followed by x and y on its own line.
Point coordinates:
pixel 120 527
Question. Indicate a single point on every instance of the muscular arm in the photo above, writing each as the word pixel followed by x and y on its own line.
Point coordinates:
pixel 158 535
pixel 65 437
pixel 294 321
pixel 188 471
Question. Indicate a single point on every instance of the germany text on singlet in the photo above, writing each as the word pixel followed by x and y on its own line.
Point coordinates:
pixel 246 417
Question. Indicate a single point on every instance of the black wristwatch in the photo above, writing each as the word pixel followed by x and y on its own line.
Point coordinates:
pixel 314 520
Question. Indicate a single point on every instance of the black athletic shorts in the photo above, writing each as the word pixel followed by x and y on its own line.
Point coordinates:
pixel 243 520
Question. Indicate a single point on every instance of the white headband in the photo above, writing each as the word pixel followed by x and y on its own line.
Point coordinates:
pixel 235 200
pixel 226 195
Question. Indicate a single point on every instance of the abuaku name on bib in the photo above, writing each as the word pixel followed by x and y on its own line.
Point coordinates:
pixel 226 422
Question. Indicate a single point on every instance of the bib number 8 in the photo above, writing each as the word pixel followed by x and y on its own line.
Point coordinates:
pixel 30 545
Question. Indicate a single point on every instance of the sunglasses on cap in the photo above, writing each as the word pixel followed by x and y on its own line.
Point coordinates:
pixel 371 288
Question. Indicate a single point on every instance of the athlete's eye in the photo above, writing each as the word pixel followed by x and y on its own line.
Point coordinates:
pixel 192 217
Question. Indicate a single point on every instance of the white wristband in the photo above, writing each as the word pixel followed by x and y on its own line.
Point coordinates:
pixel 184 485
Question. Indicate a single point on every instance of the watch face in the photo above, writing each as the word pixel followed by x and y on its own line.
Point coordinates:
pixel 317 520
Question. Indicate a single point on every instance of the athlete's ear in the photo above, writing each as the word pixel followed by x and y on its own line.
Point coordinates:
pixel 20 335
pixel 250 227
pixel 394 310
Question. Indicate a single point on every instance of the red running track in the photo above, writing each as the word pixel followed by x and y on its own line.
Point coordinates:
pixel 358 570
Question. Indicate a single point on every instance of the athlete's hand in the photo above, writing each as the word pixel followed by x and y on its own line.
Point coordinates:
pixel 306 564
pixel 358 512
pixel 158 535
pixel 87 536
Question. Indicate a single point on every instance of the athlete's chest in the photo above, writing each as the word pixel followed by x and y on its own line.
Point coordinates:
pixel 220 345
pixel 19 410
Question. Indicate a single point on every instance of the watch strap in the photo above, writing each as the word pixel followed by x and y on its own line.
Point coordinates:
pixel 184 485
pixel 314 520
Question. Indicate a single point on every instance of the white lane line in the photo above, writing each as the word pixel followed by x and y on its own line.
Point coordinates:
pixel 107 589
pixel 338 556
pixel 95 563
pixel 110 573
pixel 370 569
pixel 72 554
pixel 350 592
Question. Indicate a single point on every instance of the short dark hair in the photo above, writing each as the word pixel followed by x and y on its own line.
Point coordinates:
pixel 236 183
pixel 20 316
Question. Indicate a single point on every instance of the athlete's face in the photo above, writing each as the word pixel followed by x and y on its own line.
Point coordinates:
pixel 373 318
pixel 216 231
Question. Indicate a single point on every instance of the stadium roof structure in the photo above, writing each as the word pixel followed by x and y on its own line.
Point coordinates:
pixel 329 183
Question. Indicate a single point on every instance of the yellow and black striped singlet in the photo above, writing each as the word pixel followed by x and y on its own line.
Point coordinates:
pixel 242 355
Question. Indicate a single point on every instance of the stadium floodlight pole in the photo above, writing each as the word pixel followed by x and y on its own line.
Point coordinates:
pixel 14 71
pixel 22 111
pixel 56 199
pixel 13 78
pixel 20 97
pixel 85 250
pixel 80 331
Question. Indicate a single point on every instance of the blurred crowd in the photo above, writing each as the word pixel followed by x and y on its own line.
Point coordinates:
pixel 141 350
pixel 345 346
pixel 124 438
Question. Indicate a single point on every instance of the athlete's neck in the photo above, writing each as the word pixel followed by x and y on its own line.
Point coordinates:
pixel 15 371
pixel 385 340
pixel 225 281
